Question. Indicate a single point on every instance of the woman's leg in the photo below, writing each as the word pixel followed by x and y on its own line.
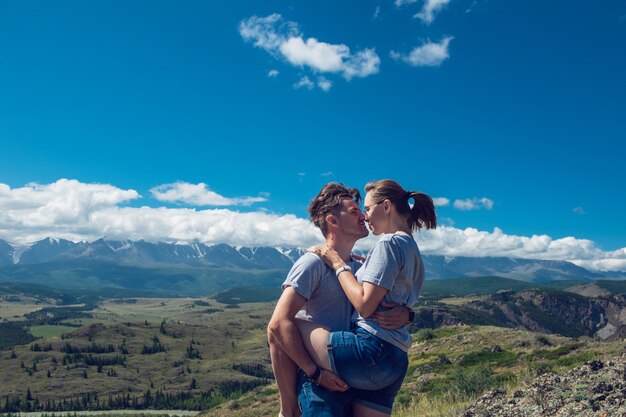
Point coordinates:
pixel 285 372
pixel 315 339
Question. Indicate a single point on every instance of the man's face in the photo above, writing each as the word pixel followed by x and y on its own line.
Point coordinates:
pixel 351 220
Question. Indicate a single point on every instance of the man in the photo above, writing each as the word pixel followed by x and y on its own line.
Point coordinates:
pixel 312 293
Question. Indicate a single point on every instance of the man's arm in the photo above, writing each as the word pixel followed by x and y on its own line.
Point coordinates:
pixel 282 331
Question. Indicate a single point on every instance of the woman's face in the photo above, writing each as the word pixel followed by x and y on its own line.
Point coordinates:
pixel 375 215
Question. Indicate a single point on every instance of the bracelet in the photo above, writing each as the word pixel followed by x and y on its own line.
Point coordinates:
pixel 343 268
pixel 319 378
pixel 315 376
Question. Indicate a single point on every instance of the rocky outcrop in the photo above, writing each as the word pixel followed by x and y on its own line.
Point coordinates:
pixel 595 389
pixel 538 310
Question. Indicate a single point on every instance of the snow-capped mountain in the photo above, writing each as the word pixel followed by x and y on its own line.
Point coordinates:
pixel 144 254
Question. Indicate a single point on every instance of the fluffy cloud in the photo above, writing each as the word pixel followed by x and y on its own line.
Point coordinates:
pixel 78 211
pixel 472 242
pixel 430 9
pixel 473 204
pixel 199 195
pixel 304 82
pixel 579 210
pixel 441 201
pixel 283 40
pixel 324 84
pixel 273 73
pixel 400 3
pixel 430 54
pixel 62 208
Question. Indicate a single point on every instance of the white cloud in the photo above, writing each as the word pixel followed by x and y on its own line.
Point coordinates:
pixel 471 7
pixel 273 73
pixel 61 208
pixel 304 82
pixel 324 84
pixel 400 3
pixel 327 174
pixel 429 54
pixel 579 210
pixel 78 211
pixel 376 14
pixel 441 201
pixel 451 241
pixel 283 39
pixel 267 32
pixel 473 204
pixel 430 9
pixel 199 195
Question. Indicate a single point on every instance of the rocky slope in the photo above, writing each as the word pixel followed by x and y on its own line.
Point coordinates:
pixel 538 310
pixel 595 389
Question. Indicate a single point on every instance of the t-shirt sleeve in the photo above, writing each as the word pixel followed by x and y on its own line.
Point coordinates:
pixel 382 266
pixel 305 275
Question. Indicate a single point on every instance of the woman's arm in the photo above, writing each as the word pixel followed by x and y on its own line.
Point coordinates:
pixel 366 298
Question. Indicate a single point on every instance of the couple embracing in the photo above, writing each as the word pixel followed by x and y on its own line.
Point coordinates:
pixel 338 336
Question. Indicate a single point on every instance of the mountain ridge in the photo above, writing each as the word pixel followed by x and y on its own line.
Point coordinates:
pixel 144 254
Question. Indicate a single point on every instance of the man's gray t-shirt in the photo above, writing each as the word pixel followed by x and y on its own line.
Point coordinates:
pixel 326 303
pixel 395 264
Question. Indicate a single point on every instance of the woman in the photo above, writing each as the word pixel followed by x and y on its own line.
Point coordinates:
pixel 372 359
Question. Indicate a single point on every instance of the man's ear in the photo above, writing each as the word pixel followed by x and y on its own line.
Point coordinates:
pixel 330 219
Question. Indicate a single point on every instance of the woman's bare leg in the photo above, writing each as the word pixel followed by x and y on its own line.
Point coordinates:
pixel 359 410
pixel 315 338
pixel 285 372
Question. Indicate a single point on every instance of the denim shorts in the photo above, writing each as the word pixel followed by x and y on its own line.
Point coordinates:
pixel 373 367
pixel 316 401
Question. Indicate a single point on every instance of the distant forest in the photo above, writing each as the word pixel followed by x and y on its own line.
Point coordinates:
pixel 148 400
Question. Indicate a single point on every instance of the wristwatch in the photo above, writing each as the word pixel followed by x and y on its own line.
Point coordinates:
pixel 411 316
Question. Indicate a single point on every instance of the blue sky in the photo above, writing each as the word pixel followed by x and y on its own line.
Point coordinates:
pixel 520 104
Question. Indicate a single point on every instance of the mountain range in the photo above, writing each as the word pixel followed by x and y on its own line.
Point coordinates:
pixel 115 262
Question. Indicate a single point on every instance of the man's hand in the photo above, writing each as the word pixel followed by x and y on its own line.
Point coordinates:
pixel 394 318
pixel 332 382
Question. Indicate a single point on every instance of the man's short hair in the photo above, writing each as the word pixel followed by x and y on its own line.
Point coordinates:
pixel 328 201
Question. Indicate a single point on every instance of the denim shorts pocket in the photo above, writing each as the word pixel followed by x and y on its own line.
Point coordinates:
pixel 385 370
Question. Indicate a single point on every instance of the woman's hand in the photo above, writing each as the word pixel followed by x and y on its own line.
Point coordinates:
pixel 328 255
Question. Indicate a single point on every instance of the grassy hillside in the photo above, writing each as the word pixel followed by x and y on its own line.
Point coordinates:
pixel 204 349
pixel 452 366
pixel 197 353
pixel 484 286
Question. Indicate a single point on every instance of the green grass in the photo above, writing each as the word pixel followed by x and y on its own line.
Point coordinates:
pixel 47 330
pixel 248 295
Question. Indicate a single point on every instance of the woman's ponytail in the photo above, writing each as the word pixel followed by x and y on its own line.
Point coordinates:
pixel 421 213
